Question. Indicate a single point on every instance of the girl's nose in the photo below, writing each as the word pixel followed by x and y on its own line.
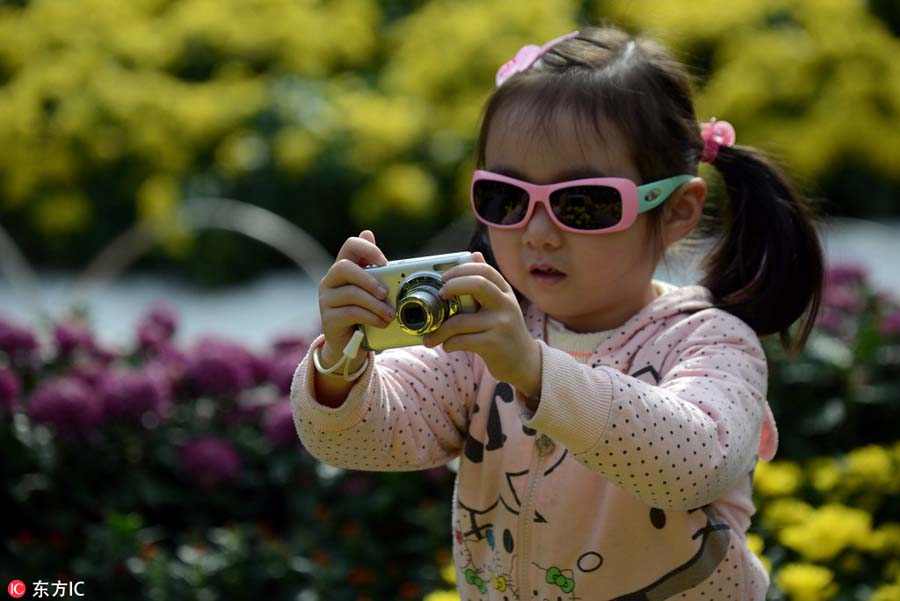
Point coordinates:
pixel 540 230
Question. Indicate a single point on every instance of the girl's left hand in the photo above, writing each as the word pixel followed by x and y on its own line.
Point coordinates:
pixel 496 332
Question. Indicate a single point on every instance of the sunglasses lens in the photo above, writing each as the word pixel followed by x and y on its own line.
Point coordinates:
pixel 587 207
pixel 499 202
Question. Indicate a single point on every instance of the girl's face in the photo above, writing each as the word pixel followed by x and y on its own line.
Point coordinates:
pixel 589 282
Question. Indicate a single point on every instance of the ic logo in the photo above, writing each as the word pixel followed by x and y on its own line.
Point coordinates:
pixel 16 589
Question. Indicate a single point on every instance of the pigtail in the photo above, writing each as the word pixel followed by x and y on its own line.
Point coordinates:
pixel 767 267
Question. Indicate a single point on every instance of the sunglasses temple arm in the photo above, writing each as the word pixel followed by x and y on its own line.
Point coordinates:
pixel 653 194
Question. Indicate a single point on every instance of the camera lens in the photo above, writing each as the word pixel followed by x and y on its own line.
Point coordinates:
pixel 420 309
pixel 413 316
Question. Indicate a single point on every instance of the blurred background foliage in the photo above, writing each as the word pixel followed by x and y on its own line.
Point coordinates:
pixel 346 114
pixel 350 113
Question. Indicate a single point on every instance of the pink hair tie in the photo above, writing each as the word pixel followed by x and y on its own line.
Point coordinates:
pixel 715 134
pixel 527 56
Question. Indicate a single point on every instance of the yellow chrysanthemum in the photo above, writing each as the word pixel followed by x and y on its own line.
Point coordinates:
pixel 158 201
pixel 871 467
pixel 777 478
pixel 380 127
pixel 895 452
pixel 887 592
pixel 885 540
pixel 62 214
pixel 806 582
pixel 442 596
pixel 756 544
pixel 158 198
pixel 828 531
pixel 242 152
pixel 401 188
pixel 782 69
pixel 295 150
pixel 454 83
pixel 824 473
pixel 787 511
pixel 448 573
pixel 667 17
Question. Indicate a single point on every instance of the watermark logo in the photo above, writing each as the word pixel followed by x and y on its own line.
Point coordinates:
pixel 16 589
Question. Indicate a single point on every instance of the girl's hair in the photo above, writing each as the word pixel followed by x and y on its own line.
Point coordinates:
pixel 766 266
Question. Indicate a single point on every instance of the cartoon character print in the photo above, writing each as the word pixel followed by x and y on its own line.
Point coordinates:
pixel 472 525
pixel 564 580
pixel 497 574
pixel 714 541
pixel 494 576
pixel 473 529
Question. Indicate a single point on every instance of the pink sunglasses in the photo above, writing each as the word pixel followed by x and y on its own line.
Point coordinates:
pixel 597 205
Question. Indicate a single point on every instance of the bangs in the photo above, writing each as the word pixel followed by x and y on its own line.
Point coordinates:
pixel 547 109
pixel 582 103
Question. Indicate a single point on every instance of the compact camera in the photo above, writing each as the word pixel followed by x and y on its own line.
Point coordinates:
pixel 413 291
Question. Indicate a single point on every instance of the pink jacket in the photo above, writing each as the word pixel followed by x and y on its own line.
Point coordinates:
pixel 633 479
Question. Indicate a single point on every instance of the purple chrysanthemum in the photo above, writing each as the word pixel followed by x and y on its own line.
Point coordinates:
pixel 9 392
pixel 67 405
pixel 76 340
pixel 171 358
pixel 130 395
pixel 294 344
pixel 281 371
pixel 844 275
pixel 890 325
pixel 164 318
pixel 278 425
pixel 19 344
pixel 843 298
pixel 287 352
pixel 71 337
pixel 89 373
pixel 242 412
pixel 217 367
pixel 156 327
pixel 209 461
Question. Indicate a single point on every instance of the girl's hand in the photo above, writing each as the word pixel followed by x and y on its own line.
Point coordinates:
pixel 497 331
pixel 349 296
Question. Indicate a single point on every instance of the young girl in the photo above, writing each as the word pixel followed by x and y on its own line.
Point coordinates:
pixel 607 424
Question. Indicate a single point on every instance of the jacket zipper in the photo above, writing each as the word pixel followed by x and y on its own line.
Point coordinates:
pixel 544 446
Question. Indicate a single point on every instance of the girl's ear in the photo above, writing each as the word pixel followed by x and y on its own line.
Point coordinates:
pixel 682 211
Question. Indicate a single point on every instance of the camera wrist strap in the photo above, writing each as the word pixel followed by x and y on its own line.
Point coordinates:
pixel 349 352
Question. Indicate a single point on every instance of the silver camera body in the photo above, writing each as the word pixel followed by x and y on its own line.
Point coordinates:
pixel 412 290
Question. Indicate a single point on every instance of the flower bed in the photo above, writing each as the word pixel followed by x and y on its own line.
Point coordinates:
pixel 172 471
pixel 369 108
pixel 163 471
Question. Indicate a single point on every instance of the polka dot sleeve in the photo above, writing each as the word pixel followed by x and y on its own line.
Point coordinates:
pixel 409 410
pixel 678 444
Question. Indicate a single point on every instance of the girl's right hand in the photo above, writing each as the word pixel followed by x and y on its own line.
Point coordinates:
pixel 349 296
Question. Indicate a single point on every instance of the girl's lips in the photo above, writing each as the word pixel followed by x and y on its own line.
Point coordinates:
pixel 544 268
pixel 544 274
pixel 548 279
